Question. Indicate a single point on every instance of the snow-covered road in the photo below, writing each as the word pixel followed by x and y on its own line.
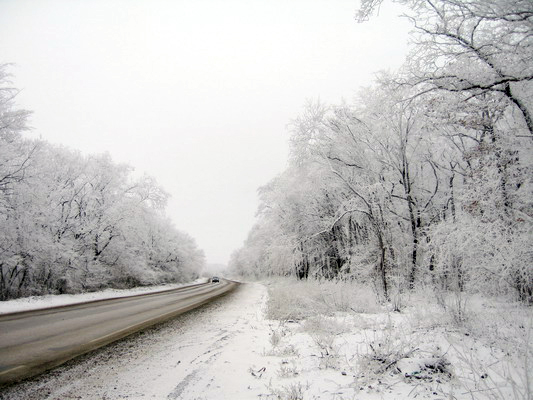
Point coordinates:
pixel 205 354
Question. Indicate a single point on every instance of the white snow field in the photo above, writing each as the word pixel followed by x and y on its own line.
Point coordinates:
pixel 321 342
pixel 439 346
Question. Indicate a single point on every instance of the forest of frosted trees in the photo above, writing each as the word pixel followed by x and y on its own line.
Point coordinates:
pixel 71 222
pixel 425 178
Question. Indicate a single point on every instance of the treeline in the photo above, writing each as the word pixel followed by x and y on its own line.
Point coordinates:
pixel 426 178
pixel 71 223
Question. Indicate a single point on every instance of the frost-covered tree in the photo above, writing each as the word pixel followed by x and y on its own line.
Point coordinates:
pixel 376 189
pixel 70 222
pixel 426 179
pixel 473 47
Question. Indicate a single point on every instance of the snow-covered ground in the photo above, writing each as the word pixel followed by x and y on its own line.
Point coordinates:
pixel 229 349
pixel 207 353
pixel 53 300
pixel 352 348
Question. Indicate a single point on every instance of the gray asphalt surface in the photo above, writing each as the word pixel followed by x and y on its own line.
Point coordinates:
pixel 34 341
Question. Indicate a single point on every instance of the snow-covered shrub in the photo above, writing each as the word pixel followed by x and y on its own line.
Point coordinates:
pixel 275 338
pixel 475 256
pixel 292 299
pixel 324 332
pixel 347 295
pixel 283 351
pixel 296 300
pixel 321 324
pixel 287 369
pixel 381 351
pixel 293 391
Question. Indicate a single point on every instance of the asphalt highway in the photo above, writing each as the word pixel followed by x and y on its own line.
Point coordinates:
pixel 34 341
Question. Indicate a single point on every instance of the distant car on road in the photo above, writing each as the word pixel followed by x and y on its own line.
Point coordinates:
pixel 215 279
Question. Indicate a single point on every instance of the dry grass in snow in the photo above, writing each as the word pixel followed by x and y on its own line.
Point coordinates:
pixel 333 341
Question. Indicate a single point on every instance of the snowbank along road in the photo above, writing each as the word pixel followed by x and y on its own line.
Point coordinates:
pixel 34 341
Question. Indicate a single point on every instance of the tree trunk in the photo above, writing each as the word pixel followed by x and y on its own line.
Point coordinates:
pixel 382 273
pixel 415 221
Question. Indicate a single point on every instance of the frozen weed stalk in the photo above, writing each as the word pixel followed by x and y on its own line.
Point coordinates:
pixel 283 351
pixel 329 356
pixel 275 338
pixel 324 331
pixel 505 376
pixel 287 369
pixel 383 351
pixel 294 391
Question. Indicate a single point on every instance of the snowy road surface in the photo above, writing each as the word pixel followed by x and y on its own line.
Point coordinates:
pixel 207 353
pixel 31 342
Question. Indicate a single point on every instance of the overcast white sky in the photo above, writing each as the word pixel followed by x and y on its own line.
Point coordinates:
pixel 196 93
